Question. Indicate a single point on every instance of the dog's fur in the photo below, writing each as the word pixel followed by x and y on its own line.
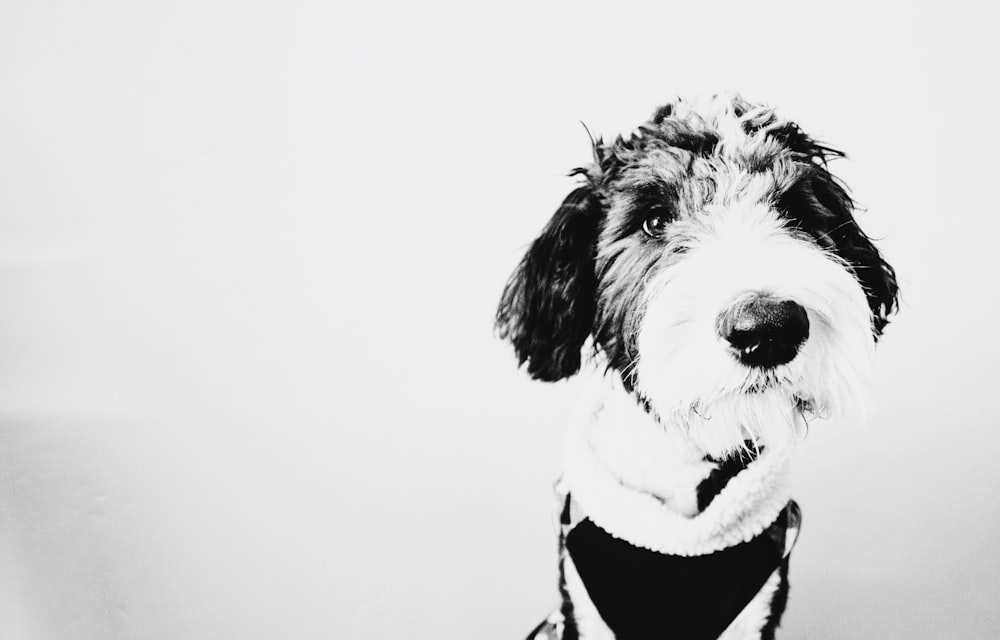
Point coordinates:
pixel 668 238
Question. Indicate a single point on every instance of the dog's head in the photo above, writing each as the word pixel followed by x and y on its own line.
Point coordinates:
pixel 717 267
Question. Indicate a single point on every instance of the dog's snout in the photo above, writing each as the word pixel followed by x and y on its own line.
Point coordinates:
pixel 764 331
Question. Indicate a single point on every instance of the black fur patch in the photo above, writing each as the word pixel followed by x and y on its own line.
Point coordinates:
pixel 819 205
pixel 720 476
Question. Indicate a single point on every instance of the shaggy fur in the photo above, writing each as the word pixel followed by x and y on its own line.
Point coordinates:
pixel 712 217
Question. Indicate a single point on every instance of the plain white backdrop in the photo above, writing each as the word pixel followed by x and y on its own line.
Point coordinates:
pixel 249 257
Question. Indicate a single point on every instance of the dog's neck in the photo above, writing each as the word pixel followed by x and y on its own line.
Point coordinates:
pixel 618 453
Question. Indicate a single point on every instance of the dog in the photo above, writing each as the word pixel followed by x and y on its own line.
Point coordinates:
pixel 712 266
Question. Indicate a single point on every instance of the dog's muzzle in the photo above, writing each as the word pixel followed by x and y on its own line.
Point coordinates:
pixel 763 331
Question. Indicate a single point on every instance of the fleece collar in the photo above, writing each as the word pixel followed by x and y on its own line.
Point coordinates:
pixel 742 510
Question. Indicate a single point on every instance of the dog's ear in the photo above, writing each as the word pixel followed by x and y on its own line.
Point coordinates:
pixel 821 205
pixel 547 308
pixel 877 276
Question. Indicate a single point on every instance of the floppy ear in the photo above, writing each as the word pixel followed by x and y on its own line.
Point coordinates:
pixel 547 308
pixel 821 204
pixel 877 276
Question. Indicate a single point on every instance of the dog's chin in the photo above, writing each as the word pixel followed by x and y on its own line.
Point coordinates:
pixel 740 422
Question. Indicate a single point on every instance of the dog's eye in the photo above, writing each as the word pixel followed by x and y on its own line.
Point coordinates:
pixel 655 224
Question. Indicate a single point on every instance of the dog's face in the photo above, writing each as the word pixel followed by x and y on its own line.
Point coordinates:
pixel 717 266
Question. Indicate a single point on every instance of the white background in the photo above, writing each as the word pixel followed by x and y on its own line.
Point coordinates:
pixel 249 257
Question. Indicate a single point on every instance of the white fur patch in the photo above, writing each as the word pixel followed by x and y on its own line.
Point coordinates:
pixel 686 370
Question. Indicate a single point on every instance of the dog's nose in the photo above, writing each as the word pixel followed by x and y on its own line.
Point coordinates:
pixel 764 331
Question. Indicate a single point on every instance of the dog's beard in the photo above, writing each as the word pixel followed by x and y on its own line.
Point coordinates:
pixel 689 377
pixel 740 423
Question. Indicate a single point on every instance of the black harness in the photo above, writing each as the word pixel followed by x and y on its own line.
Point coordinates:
pixel 643 594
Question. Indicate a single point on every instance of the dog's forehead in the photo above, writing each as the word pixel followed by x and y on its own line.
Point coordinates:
pixel 713 151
